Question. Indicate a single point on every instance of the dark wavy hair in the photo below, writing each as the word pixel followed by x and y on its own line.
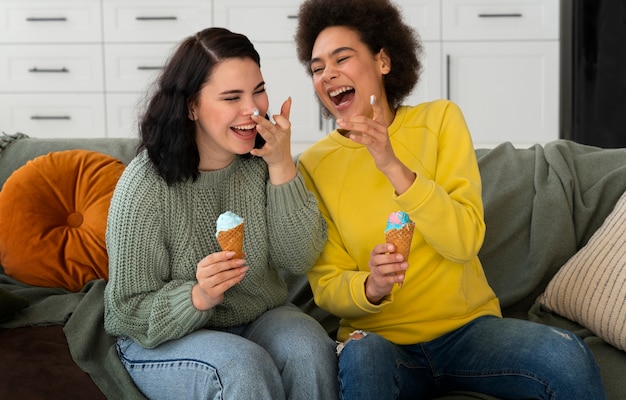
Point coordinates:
pixel 379 25
pixel 165 130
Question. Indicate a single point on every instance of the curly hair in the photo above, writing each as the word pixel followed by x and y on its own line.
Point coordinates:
pixel 378 24
pixel 165 130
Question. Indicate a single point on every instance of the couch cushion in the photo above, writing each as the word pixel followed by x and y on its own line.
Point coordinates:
pixel 35 363
pixel 589 288
pixel 53 213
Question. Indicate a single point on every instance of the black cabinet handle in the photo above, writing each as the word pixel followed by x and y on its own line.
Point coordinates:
pixel 50 117
pixel 149 68
pixel 46 19
pixel 156 18
pixel 292 17
pixel 447 76
pixel 505 15
pixel 46 70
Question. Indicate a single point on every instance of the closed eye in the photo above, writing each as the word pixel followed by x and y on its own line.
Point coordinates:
pixel 316 69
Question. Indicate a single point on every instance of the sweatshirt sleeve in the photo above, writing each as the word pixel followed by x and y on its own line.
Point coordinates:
pixel 445 202
pixel 141 301
pixel 296 228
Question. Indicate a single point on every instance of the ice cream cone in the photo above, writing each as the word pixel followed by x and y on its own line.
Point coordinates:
pixel 401 238
pixel 232 240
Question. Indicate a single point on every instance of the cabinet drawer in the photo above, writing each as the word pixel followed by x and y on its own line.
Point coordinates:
pixel 123 113
pixel 52 68
pixel 507 91
pixel 428 87
pixel 154 21
pixel 424 16
pixel 52 115
pixel 46 21
pixel 500 19
pixel 133 68
pixel 279 65
pixel 244 16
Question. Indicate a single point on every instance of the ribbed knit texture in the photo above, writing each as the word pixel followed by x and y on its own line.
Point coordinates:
pixel 589 288
pixel 156 235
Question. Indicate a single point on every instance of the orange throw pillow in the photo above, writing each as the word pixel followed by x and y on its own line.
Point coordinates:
pixel 53 215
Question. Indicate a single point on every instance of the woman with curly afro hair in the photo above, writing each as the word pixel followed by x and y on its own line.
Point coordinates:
pixel 425 323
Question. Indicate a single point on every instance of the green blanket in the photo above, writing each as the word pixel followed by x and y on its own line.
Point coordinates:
pixel 542 204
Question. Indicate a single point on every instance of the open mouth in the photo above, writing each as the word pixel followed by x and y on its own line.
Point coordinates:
pixel 244 130
pixel 342 95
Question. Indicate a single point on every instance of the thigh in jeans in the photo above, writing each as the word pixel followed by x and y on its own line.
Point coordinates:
pixel 202 365
pixel 301 349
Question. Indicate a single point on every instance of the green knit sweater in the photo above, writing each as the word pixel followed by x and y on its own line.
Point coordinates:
pixel 156 234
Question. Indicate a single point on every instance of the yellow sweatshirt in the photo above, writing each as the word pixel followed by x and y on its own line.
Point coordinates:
pixel 445 286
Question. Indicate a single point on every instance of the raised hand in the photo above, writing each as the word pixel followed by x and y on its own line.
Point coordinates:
pixel 277 149
pixel 372 133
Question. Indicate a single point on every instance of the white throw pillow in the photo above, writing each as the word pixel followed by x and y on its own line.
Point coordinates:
pixel 591 287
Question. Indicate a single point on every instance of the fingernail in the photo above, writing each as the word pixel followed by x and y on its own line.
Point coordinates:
pixel 372 100
pixel 255 112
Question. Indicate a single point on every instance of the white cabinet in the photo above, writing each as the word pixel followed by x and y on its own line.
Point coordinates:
pixel 41 68
pixel 425 17
pixel 130 70
pixel 154 21
pixel 500 20
pixel 283 74
pixel 51 70
pixel 53 115
pixel 507 91
pixel 497 59
pixel 139 36
pixel 84 67
pixel 501 65
pixel 45 21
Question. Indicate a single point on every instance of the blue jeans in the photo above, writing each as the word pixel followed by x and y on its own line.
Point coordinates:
pixel 283 354
pixel 505 358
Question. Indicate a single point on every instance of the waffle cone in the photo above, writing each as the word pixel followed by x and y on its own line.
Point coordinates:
pixel 401 238
pixel 232 240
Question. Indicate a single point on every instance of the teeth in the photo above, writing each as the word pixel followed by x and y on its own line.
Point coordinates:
pixel 244 127
pixel 340 90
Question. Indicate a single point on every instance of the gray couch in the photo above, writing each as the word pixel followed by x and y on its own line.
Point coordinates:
pixel 542 204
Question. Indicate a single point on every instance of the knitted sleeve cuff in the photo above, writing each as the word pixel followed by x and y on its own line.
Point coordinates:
pixel 188 317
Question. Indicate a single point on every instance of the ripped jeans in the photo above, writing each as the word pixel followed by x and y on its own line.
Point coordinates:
pixel 501 357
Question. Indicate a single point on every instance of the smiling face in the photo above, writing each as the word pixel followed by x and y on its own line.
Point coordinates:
pixel 222 113
pixel 345 73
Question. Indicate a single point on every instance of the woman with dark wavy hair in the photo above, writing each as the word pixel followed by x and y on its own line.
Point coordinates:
pixel 427 323
pixel 193 321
